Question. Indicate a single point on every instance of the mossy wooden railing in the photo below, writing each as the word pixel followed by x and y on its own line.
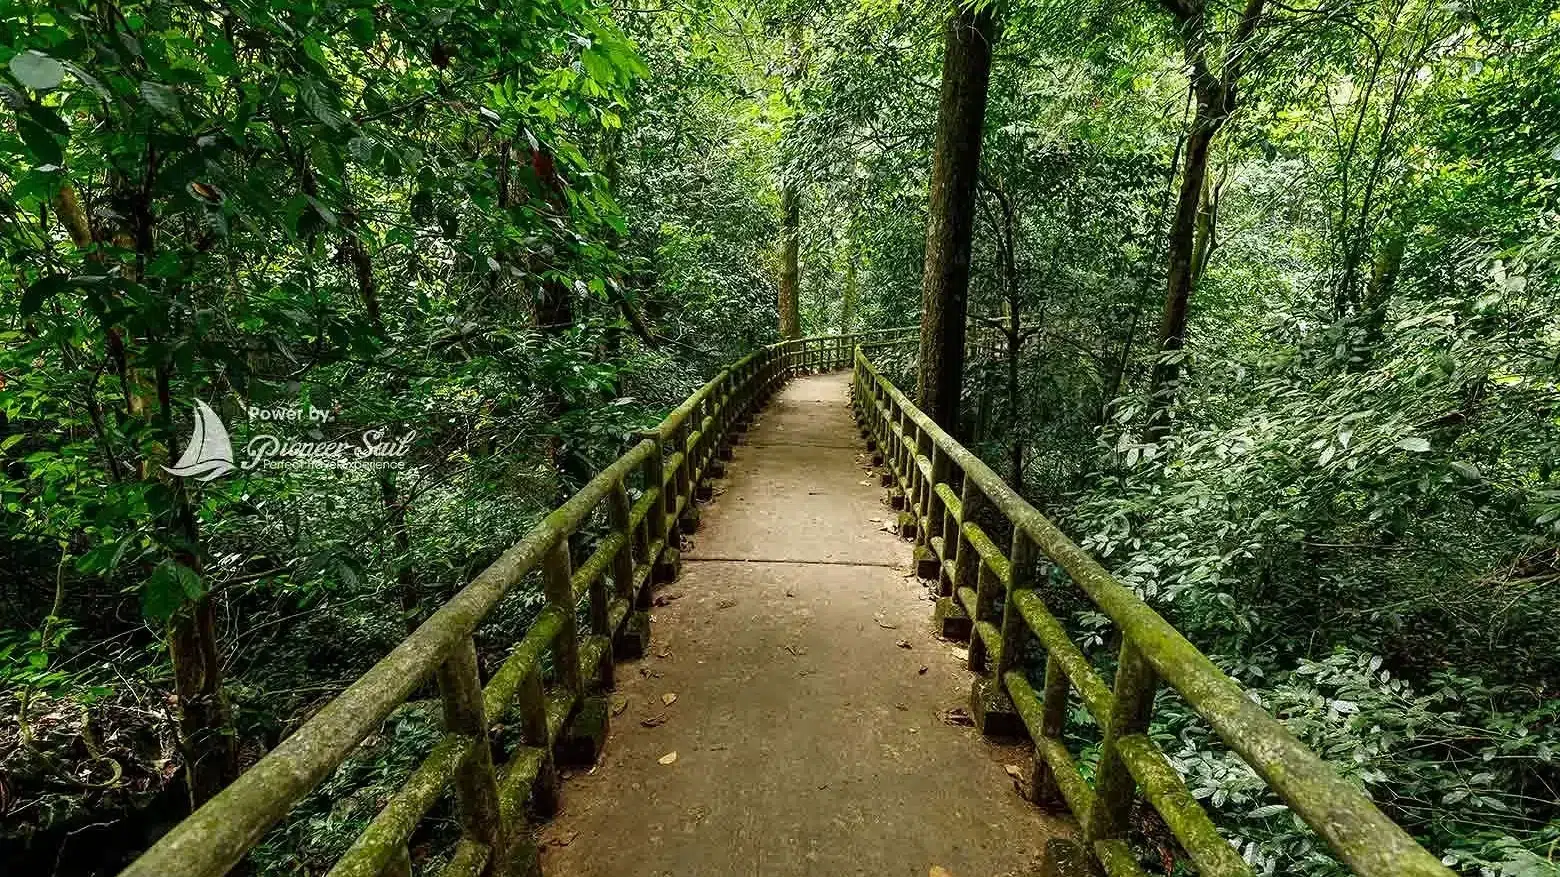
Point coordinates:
pixel 494 789
pixel 951 500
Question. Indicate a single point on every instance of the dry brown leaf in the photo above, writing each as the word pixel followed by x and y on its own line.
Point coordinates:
pixel 957 716
pixel 669 698
pixel 564 839
pixel 668 758
pixel 903 644
pixel 654 721
pixel 619 704
pixel 922 671
pixel 939 871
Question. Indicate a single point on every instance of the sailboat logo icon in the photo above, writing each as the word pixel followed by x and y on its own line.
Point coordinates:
pixel 209 453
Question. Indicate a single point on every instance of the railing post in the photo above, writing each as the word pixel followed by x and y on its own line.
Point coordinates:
pixel 928 564
pixel 928 508
pixel 476 784
pixel 557 572
pixel 632 638
pixel 952 618
pixel 1114 787
pixel 531 701
pixel 654 477
pixel 684 475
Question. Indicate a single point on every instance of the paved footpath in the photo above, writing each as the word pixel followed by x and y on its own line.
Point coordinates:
pixel 809 740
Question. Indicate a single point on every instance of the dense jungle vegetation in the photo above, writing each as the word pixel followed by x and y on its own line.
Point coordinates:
pixel 1258 299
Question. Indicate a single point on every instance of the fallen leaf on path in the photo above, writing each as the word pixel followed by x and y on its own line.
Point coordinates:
pixel 939 871
pixel 796 651
pixel 668 758
pixel 563 840
pixel 619 704
pixel 883 624
pixel 1020 780
pixel 903 644
pixel 922 671
pixel 664 653
pixel 958 716
pixel 654 721
pixel 725 604
pixel 663 599
pixel 669 698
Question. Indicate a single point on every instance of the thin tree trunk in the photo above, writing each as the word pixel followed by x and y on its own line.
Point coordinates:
pixel 852 294
pixel 1216 100
pixel 1178 292
pixel 206 739
pixel 408 592
pixel 790 272
pixel 1378 295
pixel 951 212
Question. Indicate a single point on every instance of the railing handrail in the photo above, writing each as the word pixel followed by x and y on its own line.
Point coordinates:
pixel 1357 832
pixel 674 458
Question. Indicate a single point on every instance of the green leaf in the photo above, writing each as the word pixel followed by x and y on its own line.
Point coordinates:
pixel 44 147
pixel 1415 444
pixel 1467 470
pixel 162 98
pixel 36 70
pixel 42 290
pixel 162 594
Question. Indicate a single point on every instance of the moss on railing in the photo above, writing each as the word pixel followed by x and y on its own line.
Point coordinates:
pixel 670 461
pixel 926 463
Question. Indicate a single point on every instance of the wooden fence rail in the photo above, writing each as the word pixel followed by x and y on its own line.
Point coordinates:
pixel 492 787
pixel 947 492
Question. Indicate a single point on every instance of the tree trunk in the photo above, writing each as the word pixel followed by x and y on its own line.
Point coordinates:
pixel 1181 279
pixel 790 273
pixel 408 592
pixel 206 739
pixel 852 296
pixel 951 212
pixel 1377 297
pixel 1216 100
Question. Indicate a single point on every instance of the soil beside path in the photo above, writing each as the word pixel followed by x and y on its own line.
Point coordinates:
pixel 810 693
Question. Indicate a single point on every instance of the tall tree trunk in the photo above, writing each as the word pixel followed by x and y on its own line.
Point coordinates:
pixel 1216 100
pixel 206 739
pixel 951 211
pixel 790 273
pixel 1178 292
pixel 408 591
pixel 1378 294
pixel 852 296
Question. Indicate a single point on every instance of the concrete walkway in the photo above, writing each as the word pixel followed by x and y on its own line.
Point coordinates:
pixel 808 724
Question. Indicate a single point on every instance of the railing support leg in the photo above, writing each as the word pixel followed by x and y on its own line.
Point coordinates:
pixel 476 784
pixel 1114 787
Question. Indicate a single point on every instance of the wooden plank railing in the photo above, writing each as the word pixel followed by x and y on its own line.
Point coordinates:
pixel 669 463
pixel 949 496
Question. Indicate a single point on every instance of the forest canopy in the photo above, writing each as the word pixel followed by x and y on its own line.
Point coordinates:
pixel 1258 301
